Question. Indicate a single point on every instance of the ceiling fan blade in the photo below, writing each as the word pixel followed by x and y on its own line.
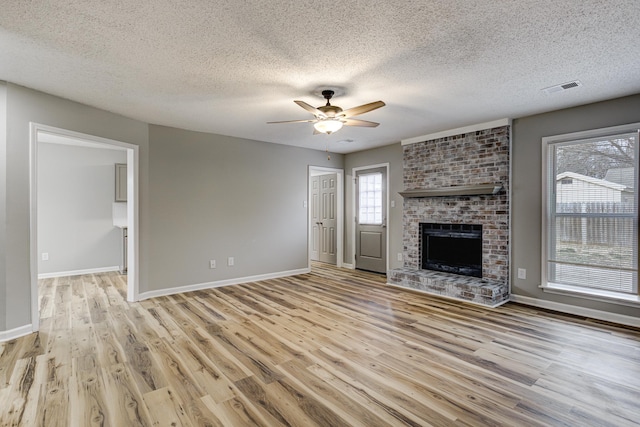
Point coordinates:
pixel 362 109
pixel 310 108
pixel 293 121
pixel 356 122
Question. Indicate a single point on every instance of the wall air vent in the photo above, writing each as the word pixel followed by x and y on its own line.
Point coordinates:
pixel 561 87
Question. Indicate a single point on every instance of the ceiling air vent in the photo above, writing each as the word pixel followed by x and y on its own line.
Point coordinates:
pixel 562 87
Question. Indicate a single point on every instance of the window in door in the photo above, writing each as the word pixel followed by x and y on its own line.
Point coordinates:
pixel 370 198
pixel 591 197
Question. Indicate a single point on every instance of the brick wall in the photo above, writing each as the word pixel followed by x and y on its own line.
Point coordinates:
pixel 480 157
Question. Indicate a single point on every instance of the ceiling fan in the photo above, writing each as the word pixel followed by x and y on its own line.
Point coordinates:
pixel 330 118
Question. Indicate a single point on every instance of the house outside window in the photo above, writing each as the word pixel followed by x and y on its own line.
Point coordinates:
pixel 590 218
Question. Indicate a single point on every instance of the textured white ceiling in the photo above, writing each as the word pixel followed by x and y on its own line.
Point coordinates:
pixel 230 66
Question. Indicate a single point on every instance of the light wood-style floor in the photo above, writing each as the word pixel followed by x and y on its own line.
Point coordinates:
pixel 330 348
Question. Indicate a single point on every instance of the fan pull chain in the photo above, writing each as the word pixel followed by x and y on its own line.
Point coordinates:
pixel 327 150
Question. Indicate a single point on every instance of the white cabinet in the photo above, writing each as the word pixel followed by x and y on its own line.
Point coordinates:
pixel 121 182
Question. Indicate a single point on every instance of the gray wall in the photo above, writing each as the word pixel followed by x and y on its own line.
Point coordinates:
pixel 24 106
pixel 527 188
pixel 214 197
pixel 391 154
pixel 75 197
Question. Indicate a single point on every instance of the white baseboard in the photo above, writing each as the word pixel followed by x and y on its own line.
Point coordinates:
pixel 220 283
pixel 15 333
pixel 578 311
pixel 78 272
pixel 349 266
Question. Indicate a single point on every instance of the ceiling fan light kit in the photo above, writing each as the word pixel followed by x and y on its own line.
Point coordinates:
pixel 331 118
pixel 328 125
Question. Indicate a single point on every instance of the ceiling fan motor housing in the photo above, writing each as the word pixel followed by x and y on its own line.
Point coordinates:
pixel 329 110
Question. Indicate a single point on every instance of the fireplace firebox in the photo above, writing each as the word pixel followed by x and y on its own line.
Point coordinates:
pixel 452 248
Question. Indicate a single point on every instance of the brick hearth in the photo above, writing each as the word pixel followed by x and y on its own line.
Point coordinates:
pixel 474 158
pixel 471 289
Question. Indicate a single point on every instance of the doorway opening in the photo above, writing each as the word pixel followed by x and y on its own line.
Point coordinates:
pixel 326 215
pixel 40 133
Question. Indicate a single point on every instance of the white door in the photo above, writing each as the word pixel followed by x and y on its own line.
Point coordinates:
pixel 371 220
pixel 324 218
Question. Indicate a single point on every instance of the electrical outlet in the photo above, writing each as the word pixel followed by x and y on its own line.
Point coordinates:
pixel 522 273
pixel 212 263
pixel 230 261
pixel 45 256
pixel 399 257
pixel 304 204
pixel 393 203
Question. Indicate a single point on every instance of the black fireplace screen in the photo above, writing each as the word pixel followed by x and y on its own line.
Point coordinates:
pixel 452 248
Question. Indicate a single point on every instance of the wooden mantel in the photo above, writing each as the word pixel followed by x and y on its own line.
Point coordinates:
pixel 458 190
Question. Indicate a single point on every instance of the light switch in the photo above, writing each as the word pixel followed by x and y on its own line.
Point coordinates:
pixel 522 273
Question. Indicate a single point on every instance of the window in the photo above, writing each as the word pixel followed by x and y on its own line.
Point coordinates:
pixel 591 218
pixel 370 198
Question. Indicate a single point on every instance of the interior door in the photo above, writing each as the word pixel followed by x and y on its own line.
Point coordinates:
pixel 314 202
pixel 371 220
pixel 324 218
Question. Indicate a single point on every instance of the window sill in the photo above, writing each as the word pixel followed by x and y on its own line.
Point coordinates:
pixel 592 294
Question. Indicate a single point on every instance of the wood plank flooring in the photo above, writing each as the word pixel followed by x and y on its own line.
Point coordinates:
pixel 329 348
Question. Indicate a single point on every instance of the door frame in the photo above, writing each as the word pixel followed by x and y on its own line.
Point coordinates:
pixel 133 276
pixel 354 194
pixel 321 170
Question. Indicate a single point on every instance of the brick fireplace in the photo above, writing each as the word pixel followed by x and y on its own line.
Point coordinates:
pixel 460 179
